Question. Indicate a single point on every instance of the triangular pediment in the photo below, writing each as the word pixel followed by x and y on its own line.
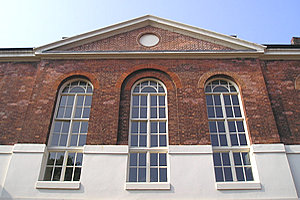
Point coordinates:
pixel 168 36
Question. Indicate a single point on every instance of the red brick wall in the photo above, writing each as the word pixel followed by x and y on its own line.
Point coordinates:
pixel 129 42
pixel 112 80
pixel 280 79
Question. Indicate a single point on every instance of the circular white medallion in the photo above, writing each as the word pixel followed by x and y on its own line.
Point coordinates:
pixel 149 40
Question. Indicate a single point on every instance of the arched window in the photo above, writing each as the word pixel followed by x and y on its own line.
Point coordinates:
pixel 69 130
pixel 228 131
pixel 148 135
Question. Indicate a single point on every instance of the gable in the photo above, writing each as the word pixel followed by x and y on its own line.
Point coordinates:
pixel 172 36
pixel 168 41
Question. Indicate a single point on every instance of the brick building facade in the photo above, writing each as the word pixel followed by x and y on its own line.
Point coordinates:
pixel 183 60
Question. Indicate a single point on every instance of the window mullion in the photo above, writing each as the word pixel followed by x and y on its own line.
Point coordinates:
pixel 225 120
pixel 232 166
pixel 147 166
pixel 63 170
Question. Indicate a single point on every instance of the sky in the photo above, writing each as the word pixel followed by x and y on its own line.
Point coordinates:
pixel 33 23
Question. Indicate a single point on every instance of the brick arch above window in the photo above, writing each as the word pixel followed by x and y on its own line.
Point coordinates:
pixel 228 75
pixel 63 78
pixel 172 76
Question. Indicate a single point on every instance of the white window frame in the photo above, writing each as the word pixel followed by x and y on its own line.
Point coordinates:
pixel 148 149
pixel 67 148
pixel 229 148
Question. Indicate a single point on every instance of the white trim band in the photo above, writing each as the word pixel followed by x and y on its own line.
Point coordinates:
pixel 105 149
pixel 29 148
pixel 190 149
pixel 238 186
pixel 147 186
pixel 268 148
pixel 66 185
pixel 292 149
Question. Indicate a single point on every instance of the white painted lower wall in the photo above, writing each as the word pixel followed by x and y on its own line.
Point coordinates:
pixel 191 174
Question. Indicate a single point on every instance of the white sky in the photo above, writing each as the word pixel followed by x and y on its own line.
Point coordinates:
pixel 32 23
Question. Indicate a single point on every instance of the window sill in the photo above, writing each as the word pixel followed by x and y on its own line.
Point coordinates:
pixel 238 186
pixel 58 185
pixel 148 186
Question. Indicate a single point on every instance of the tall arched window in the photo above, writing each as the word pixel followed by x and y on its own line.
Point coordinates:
pixel 148 136
pixel 228 131
pixel 69 130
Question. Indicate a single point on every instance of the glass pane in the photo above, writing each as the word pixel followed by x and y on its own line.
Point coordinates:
pixel 219 174
pixel 59 158
pixel 211 112
pixel 217 99
pixel 135 100
pixel 162 141
pixel 71 159
pixel 153 174
pixel 246 159
pixel 249 175
pixel 65 128
pixel 143 100
pixel 68 112
pixel 75 128
pixel 134 141
pixel 56 175
pixel 153 100
pixel 212 127
pixel 143 140
pixel 143 113
pixel 231 126
pixel 161 89
pixel 228 174
pixel 134 127
pixel 77 90
pixel 161 100
pixel 219 113
pixel 237 159
pixel 163 174
pixel 136 89
pixel 162 127
pixel 82 140
pixel 57 127
pixel 243 140
pixel 142 175
pixel 77 174
pixel 209 100
pixel 225 158
pixel 88 101
pixel 217 159
pixel 80 100
pixel 235 99
pixel 55 138
pixel 237 112
pixel 162 159
pixel 89 90
pixel 132 175
pixel 60 112
pixel 240 126
pixel 74 139
pixel 135 112
pixel 133 159
pixel 208 88
pixel 68 174
pixel 220 89
pixel 154 141
pixel 84 127
pixel 79 159
pixel 51 158
pixel 234 140
pixel 148 90
pixel 48 173
pixel 143 128
pixel 153 112
pixel 153 83
pixel 223 140
pixel 153 159
pixel 221 127
pixel 229 112
pixel 239 174
pixel 154 127
pixel 63 100
pixel 162 113
pixel 227 100
pixel 142 159
pixel 63 140
pixel 86 113
pixel 214 140
pixel 70 100
pixel 78 112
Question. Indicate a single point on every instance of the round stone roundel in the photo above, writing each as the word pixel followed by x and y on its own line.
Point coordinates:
pixel 149 40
